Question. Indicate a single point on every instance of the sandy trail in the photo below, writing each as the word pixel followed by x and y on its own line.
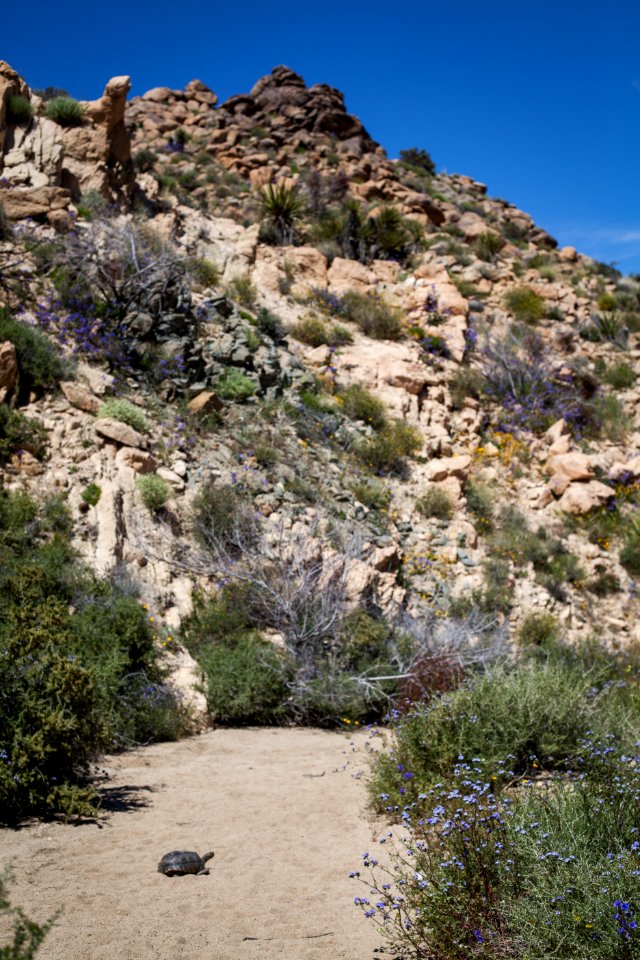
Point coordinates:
pixel 284 838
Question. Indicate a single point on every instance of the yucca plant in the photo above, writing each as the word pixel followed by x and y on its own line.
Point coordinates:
pixel 282 207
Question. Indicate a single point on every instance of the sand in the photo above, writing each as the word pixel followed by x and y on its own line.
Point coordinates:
pixel 283 810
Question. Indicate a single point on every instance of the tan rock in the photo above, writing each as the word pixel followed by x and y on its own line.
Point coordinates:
pixel 171 477
pixel 558 484
pixel 580 498
pixel 346 275
pixel 80 396
pixel 139 460
pixel 36 202
pixel 575 466
pixel 441 469
pixel 26 464
pixel 308 266
pixel 561 446
pixel 205 402
pixel 568 254
pixel 119 432
pixel 99 381
pixel 556 430
pixel 9 369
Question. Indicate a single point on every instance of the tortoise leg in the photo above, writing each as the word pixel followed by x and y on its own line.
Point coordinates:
pixel 203 873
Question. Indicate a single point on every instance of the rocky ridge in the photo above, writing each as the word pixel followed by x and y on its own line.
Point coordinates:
pixel 197 173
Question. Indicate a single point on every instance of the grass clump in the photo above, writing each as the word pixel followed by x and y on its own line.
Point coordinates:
pixel 91 494
pixel 234 386
pixel 20 433
pixel 154 491
pixel 65 111
pixel 19 109
pixel 375 318
pixel 315 332
pixel 204 272
pixel 386 452
pixel 242 289
pixel 360 404
pixel 125 412
pixel 488 245
pixel 372 493
pixel 620 376
pixel 466 382
pixel 525 304
pixel 435 504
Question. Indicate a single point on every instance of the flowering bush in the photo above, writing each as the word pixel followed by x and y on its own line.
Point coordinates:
pixel 529 852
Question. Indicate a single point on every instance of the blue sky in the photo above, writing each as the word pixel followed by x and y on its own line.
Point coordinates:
pixel 539 100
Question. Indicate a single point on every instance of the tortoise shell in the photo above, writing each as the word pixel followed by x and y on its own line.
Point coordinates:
pixel 179 862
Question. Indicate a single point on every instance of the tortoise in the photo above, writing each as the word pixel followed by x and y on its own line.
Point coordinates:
pixel 179 862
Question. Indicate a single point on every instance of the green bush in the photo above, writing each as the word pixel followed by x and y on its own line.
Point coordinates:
pixel 480 503
pixel 435 503
pixel 270 324
pixel 145 160
pixel 19 109
pixel 487 245
pixel 282 207
pixel 233 385
pixel 375 318
pixel 372 493
pixel 539 630
pixel 466 382
pixel 386 452
pixel 525 304
pixel 204 272
pixel 18 433
pixel 91 494
pixel 360 404
pixel 315 332
pixel 125 412
pixel 620 376
pixel 418 159
pixel 70 650
pixel 65 110
pixel 41 365
pixel 242 289
pixel 222 516
pixel 245 680
pixel 154 491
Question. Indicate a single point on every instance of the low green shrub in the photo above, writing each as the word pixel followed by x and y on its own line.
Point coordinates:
pixel 538 630
pixel 125 412
pixel 315 332
pixel 525 304
pixel 270 324
pixel 204 272
pixel 234 386
pixel 27 935
pixel 222 517
pixel 372 493
pixel 154 491
pixel 466 382
pixel 19 433
pixel 387 451
pixel 360 404
pixel 65 110
pixel 242 289
pixel 481 504
pixel 488 245
pixel 41 364
pixel 91 494
pixel 435 503
pixel 418 159
pixel 145 160
pixel 620 376
pixel 375 318
pixel 19 109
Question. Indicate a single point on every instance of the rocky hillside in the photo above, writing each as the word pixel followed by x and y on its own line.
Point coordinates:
pixel 429 410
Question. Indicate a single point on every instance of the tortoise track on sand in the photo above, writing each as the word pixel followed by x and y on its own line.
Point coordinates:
pixel 285 838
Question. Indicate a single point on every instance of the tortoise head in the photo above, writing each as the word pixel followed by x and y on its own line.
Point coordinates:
pixel 206 856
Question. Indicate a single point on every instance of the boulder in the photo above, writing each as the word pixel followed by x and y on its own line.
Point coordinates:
pixel 80 396
pixel 575 466
pixel 35 202
pixel 205 402
pixel 445 467
pixel 119 432
pixel 580 498
pixel 346 275
pixel 139 460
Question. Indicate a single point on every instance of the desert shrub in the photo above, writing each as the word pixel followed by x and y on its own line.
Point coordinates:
pixel 538 630
pixel 41 364
pixel 222 518
pixel 604 583
pixel 418 159
pixel 487 245
pixel 145 160
pixel 245 679
pixel 387 451
pixel 606 328
pixel 282 207
pixel 69 647
pixel 188 179
pixel 620 376
pixel 65 110
pixel 18 433
pixel 466 382
pixel 19 109
pixel 435 503
pixel 91 494
pixel 375 318
pixel 360 404
pixel 630 552
pixel 315 331
pixel 607 302
pixel 372 493
pixel 525 304
pixel 234 386
pixel 154 491
pixel 392 236
pixel 481 504
pixel 607 418
pixel 270 324
pixel 204 272
pixel 125 412
pixel 242 289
